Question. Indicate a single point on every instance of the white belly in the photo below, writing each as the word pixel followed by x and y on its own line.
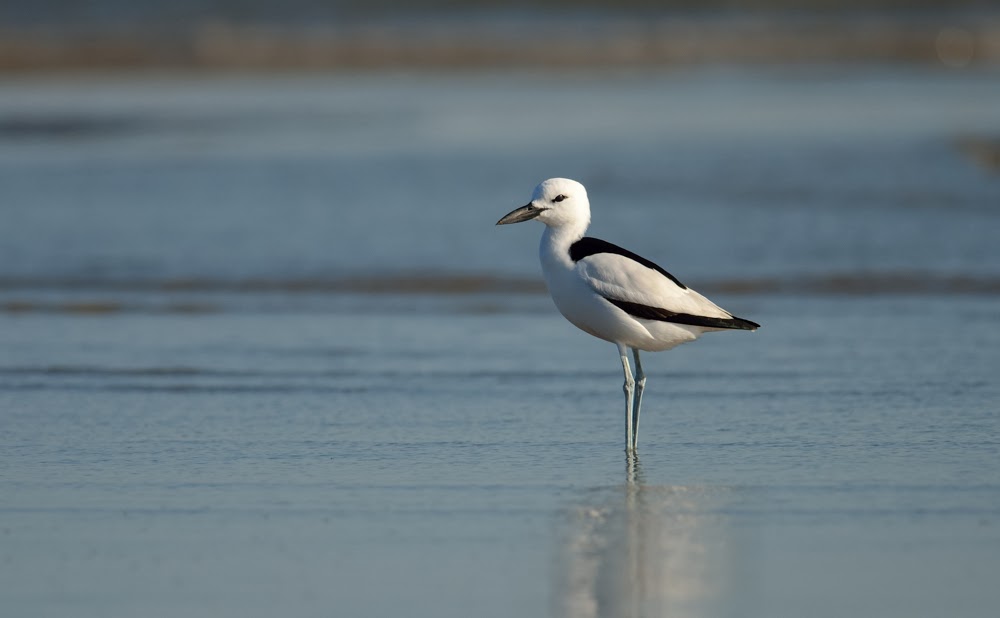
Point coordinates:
pixel 589 312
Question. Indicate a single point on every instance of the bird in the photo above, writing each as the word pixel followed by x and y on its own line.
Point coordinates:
pixel 614 294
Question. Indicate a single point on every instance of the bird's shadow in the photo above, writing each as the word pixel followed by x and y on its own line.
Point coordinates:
pixel 637 549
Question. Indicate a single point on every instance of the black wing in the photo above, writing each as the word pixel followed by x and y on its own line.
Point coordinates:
pixel 662 315
pixel 588 246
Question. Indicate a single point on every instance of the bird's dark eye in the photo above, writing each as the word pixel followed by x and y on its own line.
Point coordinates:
pixel 558 198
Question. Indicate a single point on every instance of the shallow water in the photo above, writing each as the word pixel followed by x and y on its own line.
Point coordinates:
pixel 841 460
pixel 176 440
pixel 794 171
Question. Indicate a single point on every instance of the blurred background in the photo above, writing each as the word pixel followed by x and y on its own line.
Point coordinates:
pixel 331 146
pixel 263 351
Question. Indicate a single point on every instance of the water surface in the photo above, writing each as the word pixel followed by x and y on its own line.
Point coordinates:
pixel 222 393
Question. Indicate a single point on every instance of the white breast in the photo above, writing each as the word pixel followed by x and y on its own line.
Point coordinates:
pixel 576 298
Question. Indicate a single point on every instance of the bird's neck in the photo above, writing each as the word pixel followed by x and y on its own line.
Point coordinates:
pixel 556 242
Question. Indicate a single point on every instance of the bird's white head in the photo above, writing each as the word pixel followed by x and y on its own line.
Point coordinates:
pixel 556 202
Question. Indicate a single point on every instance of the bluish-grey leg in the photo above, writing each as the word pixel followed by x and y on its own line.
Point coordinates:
pixel 629 388
pixel 640 384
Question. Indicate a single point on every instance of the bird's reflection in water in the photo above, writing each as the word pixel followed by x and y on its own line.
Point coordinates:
pixel 642 550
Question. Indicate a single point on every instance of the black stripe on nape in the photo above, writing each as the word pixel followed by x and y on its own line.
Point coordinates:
pixel 662 315
pixel 588 246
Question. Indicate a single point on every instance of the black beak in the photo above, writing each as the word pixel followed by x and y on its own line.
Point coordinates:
pixel 523 213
